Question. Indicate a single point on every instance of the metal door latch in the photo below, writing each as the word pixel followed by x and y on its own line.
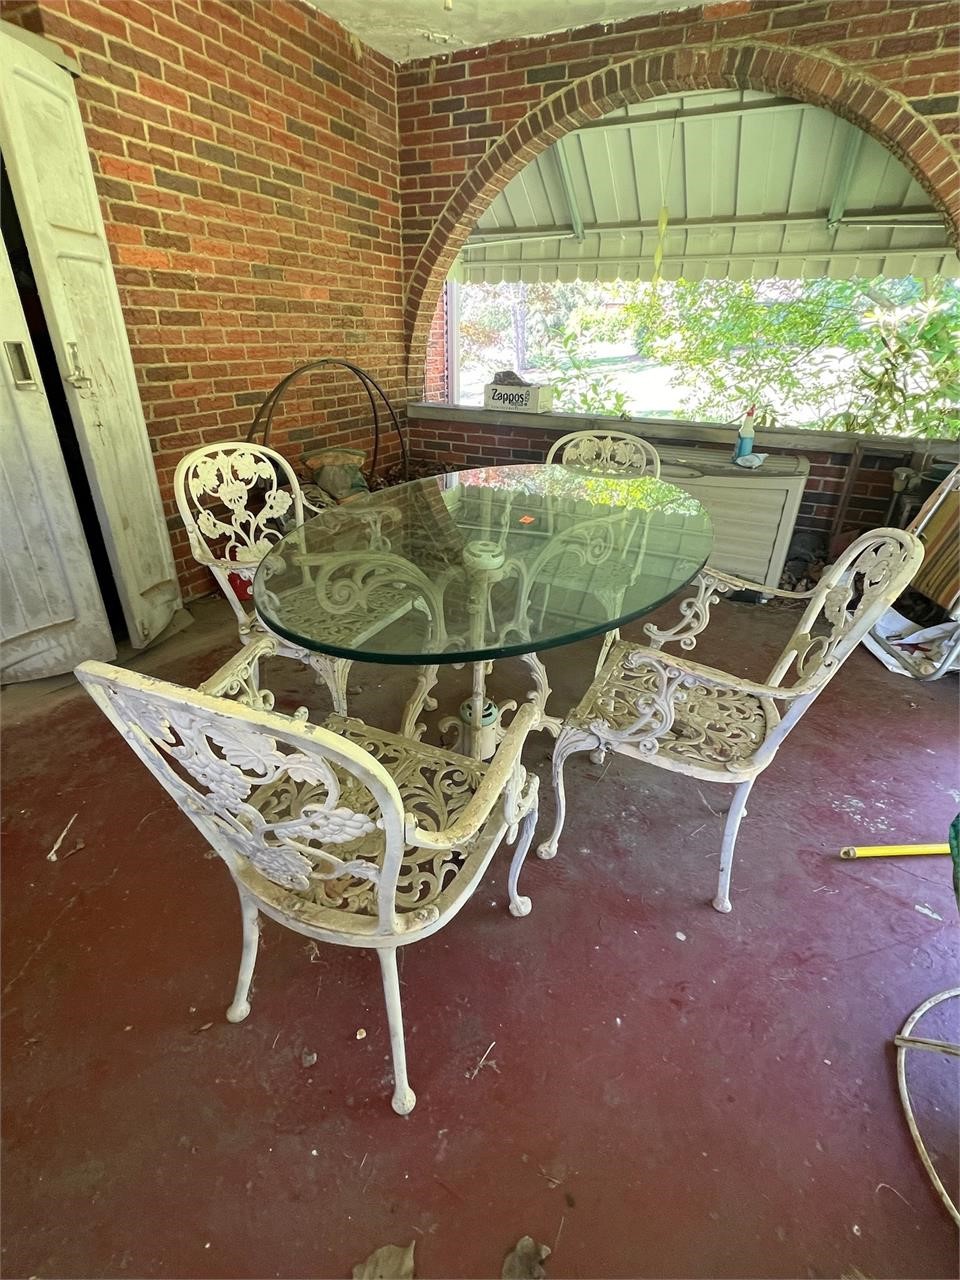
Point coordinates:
pixel 76 376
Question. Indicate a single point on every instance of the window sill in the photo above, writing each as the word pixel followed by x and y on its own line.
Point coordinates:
pixel 680 430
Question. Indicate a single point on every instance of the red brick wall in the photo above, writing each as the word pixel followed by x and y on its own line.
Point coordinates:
pixel 468 444
pixel 435 370
pixel 252 179
pixel 246 160
pixel 470 120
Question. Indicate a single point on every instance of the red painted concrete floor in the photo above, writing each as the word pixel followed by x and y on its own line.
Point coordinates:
pixel 670 1093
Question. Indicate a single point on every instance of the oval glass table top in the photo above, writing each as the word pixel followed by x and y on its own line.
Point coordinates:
pixel 482 564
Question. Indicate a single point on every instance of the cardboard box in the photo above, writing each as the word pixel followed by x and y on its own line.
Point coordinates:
pixel 517 399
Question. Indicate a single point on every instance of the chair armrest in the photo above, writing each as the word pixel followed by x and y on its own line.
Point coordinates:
pixel 713 678
pixel 503 770
pixel 711 584
pixel 731 582
pixel 239 678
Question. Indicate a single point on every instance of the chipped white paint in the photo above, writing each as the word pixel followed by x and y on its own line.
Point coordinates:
pixel 51 613
pixel 41 134
pixel 342 833
pixel 717 727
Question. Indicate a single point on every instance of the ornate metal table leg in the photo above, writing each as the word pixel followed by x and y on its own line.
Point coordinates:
pixel 334 673
pixel 540 693
pixel 481 717
pixel 481 728
pixel 418 701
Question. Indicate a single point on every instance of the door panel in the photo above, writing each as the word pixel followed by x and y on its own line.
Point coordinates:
pixel 46 155
pixel 51 613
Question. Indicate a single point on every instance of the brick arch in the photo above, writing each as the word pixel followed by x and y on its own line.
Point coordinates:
pixel 824 81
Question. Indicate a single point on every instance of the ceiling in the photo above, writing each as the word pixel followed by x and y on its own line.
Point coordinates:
pixel 409 29
pixel 754 185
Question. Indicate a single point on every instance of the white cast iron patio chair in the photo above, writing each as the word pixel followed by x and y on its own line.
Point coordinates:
pixel 716 727
pixel 606 451
pixel 234 509
pixel 342 832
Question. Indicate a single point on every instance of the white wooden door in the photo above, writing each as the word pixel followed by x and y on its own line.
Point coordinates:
pixel 51 613
pixel 47 160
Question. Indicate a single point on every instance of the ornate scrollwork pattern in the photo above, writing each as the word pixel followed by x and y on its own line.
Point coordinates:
pixel 644 702
pixel 239 679
pixel 230 773
pixel 436 785
pixel 603 451
pixel 411 726
pixel 303 820
pixel 370 589
pixel 871 572
pixel 634 702
pixel 221 487
pixel 694 613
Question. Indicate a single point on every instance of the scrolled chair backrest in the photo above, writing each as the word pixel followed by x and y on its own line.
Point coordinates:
pixel 852 594
pixel 232 503
pixel 312 812
pixel 611 450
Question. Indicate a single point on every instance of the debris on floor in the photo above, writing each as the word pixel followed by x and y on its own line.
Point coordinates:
pixel 52 855
pixel 525 1260
pixel 926 911
pixel 391 1262
pixel 472 1075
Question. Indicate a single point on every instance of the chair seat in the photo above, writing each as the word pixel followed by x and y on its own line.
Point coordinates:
pixel 383 606
pixel 435 785
pixel 714 731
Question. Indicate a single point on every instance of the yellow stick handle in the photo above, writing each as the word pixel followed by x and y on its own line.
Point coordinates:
pixel 892 850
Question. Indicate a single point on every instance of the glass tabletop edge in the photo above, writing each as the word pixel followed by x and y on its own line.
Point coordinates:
pixel 515 650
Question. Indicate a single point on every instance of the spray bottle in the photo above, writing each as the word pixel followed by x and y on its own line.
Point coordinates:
pixel 745 435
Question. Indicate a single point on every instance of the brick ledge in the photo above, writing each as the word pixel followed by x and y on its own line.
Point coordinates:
pixel 681 429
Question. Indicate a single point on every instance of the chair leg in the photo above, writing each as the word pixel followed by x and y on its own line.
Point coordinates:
pixel 334 673
pixel 735 815
pixel 519 905
pixel 609 640
pixel 404 1099
pixel 568 742
pixel 248 959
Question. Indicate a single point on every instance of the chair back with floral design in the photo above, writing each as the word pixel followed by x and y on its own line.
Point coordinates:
pixel 309 811
pixel 236 500
pixel 606 451
pixel 852 594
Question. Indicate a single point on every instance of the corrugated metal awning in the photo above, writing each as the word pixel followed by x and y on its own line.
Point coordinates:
pixel 756 186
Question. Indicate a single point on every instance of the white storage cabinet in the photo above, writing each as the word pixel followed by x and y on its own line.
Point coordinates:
pixel 753 512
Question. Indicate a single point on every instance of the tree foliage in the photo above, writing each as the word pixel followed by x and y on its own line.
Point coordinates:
pixel 876 357
pixel 880 356
pixel 908 381
pixel 578 386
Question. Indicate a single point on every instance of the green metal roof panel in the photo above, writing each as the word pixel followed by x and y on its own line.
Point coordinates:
pixel 750 181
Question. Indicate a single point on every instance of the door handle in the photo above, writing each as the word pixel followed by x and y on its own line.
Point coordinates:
pixel 76 376
pixel 23 379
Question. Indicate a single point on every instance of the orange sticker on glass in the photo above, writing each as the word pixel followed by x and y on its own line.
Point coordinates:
pixel 526 519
